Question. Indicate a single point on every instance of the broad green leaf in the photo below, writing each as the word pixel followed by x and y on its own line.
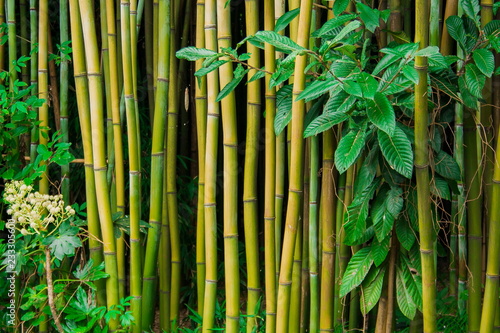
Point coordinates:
pixel 64 245
pixel 356 270
pixel 406 50
pixel 339 6
pixel 357 214
pixel 386 209
pixel 406 235
pixel 427 51
pixel 471 8
pixel 285 19
pixel 456 30
pixel 351 87
pixel 316 89
pixel 315 110
pixel 397 151
pixel 475 80
pixel 412 268
pixel 258 75
pixel 43 150
pixel 471 33
pixel 192 53
pixel 385 62
pixel 437 60
pixel 284 108
pixel 467 97
pixel 440 188
pixel 400 37
pixel 281 75
pixel 372 289
pixel 367 171
pixel 324 122
pixel 369 16
pixel 405 301
pixel 346 30
pixel 349 148
pixel 213 66
pixel 446 166
pixel 492 28
pixel 381 113
pixel 231 85
pixel 368 84
pixel 343 68
pixel 484 60
pixel 410 73
pixel 278 40
pixel 340 102
pixel 332 24
pixel 380 250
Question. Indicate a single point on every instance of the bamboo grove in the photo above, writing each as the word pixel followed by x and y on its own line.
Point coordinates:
pixel 341 158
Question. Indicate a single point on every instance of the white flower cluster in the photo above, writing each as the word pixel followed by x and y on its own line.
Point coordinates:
pixel 33 211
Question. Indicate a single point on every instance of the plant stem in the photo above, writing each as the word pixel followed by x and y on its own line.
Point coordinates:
pixel 50 290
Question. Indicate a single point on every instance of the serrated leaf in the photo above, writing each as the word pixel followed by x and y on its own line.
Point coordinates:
pixel 231 85
pixel 385 210
pixel 456 30
pixel 368 84
pixel 369 16
pixel 340 102
pixel 324 122
pixel 492 28
pixel 380 250
pixel 468 99
pixel 446 166
pixel 385 62
pixel 403 296
pixel 474 80
pixel 356 270
pixel 397 151
pixel 283 108
pixel 192 53
pixel 351 26
pixel 285 19
pixel 316 89
pixel 406 235
pixel 332 24
pixel 351 87
pixel 440 187
pixel 278 41
pixel 410 73
pixel 471 8
pixel 213 66
pixel 367 171
pixel 381 113
pixel 349 148
pixel 484 60
pixel 343 68
pixel 339 7
pixel 372 291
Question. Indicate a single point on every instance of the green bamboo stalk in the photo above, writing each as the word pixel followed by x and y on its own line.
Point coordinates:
pixel 391 285
pixel 327 220
pixel 12 34
pixel 296 174
pixel 341 250
pixel 270 198
pixel 303 281
pixel 395 19
pixel 213 115
pixel 98 144
pixel 143 314
pixel 82 96
pixel 250 204
pixel 171 166
pixel 2 21
pixel 148 36
pixel 201 131
pixel 33 65
pixel 23 24
pixel 296 286
pixel 43 82
pixel 313 238
pixel 434 19
pixel 230 166
pixel 426 228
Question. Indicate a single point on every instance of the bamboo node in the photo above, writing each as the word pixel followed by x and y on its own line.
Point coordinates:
pixel 110 253
pixel 162 79
pixel 233 317
pixel 418 67
pixel 492 276
pixel 133 240
pixel 100 169
pixel 255 289
pixel 211 281
pixel 421 166
pixel 211 114
pixel 231 236
pixel 230 145
pixel 285 284
pixel 150 278
pixel 299 191
pixel 271 218
pixel 252 200
pixel 426 251
pixel 157 154
pixel 212 204
pixel 154 222
pixel 496 181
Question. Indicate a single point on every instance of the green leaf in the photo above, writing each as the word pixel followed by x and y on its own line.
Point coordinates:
pixel 65 242
pixel 410 73
pixel 213 66
pixel 369 16
pixel 446 166
pixel 343 68
pixel 340 102
pixel 386 209
pixel 367 171
pixel 349 148
pixel 339 6
pixel 427 51
pixel 406 235
pixel 192 53
pixel 258 75
pixel 484 60
pixel 368 85
pixel 381 113
pixel 492 28
pixel 352 87
pixel 43 150
pixel 231 85
pixel 372 290
pixel 397 151
pixel 385 62
pixel 333 24
pixel 284 108
pixel 456 30
pixel 278 41
pixel 346 30
pixel 469 100
pixel 440 188
pixel 474 80
pixel 285 19
pixel 324 122
pixel 356 270
pixel 380 250
pixel 316 89
pixel 471 8
pixel 405 301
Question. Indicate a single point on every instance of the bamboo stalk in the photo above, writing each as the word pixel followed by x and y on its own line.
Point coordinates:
pixel 23 24
pixel 341 250
pixel 2 21
pixel 446 40
pixel 426 228
pixel 43 82
pixel 98 144
pixel 313 239
pixel 33 65
pixel 12 37
pixel 296 174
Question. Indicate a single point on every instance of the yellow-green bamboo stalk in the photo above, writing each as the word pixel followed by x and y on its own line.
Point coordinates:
pixel 148 36
pixel 201 131
pixel 250 204
pixel 171 166
pixel 149 275
pixel 2 21
pixel 434 19
pixel 230 179
pixel 43 82
pixel 23 24
pixel 98 144
pixel 327 219
pixel 12 40
pixel 63 94
pixel 296 285
pixel 270 262
pixel 313 239
pixel 155 42
pixel 446 40
pixel 304 281
pixel 82 96
pixel 213 114
pixel 33 64
pixel 341 250
pixel 296 173
pixel 426 228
